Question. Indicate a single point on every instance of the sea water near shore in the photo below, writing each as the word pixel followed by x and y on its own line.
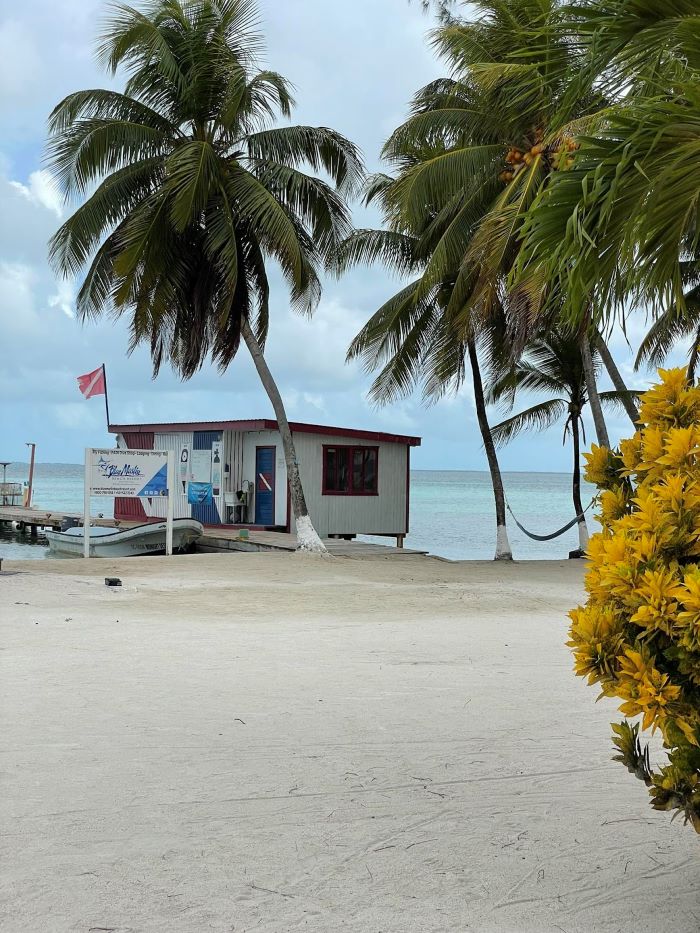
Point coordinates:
pixel 452 512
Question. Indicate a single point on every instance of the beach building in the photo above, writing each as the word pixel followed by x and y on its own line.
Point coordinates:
pixel 233 473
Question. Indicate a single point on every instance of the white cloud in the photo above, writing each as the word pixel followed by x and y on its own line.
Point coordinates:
pixel 41 189
pixel 63 299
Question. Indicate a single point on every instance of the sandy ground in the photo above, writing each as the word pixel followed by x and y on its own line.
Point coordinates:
pixel 258 742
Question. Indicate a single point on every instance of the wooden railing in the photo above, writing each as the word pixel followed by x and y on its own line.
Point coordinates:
pixel 10 494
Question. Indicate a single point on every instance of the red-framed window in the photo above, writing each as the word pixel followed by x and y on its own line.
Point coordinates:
pixel 349 470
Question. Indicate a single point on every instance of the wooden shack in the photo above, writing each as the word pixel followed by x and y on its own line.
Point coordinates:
pixel 233 473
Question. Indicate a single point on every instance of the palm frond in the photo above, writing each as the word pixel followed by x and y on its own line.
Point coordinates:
pixel 316 146
pixel 668 329
pixel 395 250
pixel 537 418
pixel 616 400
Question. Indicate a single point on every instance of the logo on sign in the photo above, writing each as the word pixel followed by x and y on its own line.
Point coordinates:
pixel 108 469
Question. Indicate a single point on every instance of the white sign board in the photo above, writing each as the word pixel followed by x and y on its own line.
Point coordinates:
pixel 128 473
pixel 201 466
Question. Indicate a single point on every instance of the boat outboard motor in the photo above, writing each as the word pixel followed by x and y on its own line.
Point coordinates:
pixel 69 522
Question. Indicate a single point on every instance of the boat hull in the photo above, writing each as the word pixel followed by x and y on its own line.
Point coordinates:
pixel 128 542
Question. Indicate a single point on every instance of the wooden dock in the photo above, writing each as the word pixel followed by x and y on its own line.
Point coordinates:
pixel 229 539
pixel 33 519
pixel 213 540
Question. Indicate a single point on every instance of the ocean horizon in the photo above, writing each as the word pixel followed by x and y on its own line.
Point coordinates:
pixel 451 511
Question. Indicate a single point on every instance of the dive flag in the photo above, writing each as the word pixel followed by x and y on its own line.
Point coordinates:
pixel 93 383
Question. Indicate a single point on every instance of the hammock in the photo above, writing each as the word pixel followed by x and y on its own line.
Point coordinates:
pixel 554 534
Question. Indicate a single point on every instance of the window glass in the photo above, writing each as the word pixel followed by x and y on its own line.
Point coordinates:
pixel 370 471
pixel 350 470
pixel 331 467
pixel 357 461
pixel 342 483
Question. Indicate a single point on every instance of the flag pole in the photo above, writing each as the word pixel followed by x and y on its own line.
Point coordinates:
pixel 104 376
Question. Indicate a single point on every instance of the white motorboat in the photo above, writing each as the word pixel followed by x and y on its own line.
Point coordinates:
pixel 126 542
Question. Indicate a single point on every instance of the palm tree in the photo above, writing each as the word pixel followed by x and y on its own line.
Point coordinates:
pixel 618 228
pixel 191 190
pixel 517 96
pixel 469 161
pixel 552 364
pixel 411 339
pixel 413 344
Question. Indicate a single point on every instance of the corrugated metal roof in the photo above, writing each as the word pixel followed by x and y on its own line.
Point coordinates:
pixel 266 424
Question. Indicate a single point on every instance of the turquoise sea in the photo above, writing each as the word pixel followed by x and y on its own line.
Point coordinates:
pixel 452 511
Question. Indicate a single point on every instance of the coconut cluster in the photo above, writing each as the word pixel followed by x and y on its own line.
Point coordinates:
pixel 563 157
pixel 559 158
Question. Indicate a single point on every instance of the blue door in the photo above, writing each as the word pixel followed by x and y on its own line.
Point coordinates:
pixel 265 485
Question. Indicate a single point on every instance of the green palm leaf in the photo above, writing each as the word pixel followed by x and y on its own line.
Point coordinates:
pixel 192 171
pixel 316 146
pixel 538 417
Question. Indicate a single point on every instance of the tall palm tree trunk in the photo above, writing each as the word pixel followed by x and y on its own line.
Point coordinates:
pixel 503 551
pixel 601 429
pixel 307 537
pixel 582 527
pixel 693 358
pixel 616 377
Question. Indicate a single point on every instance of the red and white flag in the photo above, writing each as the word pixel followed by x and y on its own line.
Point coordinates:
pixel 93 383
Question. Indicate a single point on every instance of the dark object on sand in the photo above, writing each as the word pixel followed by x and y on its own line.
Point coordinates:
pixel 112 581
pixel 577 553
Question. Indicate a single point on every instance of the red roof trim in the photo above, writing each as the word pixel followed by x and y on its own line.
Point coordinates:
pixel 264 424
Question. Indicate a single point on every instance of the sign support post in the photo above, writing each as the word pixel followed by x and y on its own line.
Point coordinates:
pixel 171 505
pixel 86 504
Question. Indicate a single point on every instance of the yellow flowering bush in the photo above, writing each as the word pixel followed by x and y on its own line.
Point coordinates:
pixel 638 636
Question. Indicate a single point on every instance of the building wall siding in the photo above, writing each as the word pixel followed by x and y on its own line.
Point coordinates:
pixel 384 513
pixel 157 507
pixel 133 510
pixel 175 442
pixel 251 441
pixel 209 514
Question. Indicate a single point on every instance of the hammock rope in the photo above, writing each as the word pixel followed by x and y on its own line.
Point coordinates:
pixel 555 534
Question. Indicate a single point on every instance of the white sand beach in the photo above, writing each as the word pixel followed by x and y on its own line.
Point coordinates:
pixel 279 743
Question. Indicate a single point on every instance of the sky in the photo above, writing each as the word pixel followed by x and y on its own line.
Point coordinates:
pixel 355 67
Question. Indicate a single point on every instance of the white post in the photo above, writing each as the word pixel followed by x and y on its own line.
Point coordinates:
pixel 87 479
pixel 171 504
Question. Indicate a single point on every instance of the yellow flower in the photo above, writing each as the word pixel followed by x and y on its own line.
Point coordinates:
pixel 646 548
pixel 644 689
pixel 677 493
pixel 671 402
pixel 614 571
pixel 652 451
pixel 596 638
pixel 658 593
pixel 650 516
pixel 689 616
pixel 631 453
pixel 601 466
pixel 678 497
pixel 613 505
pixel 680 448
